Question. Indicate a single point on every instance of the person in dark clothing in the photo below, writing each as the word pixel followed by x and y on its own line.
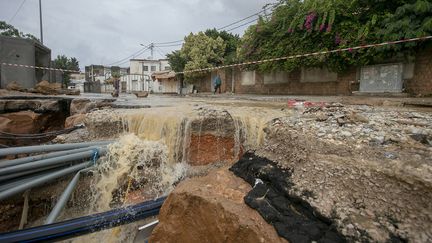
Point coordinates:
pixel 217 83
pixel 116 85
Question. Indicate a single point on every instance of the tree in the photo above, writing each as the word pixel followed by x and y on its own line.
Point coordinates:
pixel 9 30
pixel 231 41
pixel 201 51
pixel 63 62
pixel 304 26
pixel 177 63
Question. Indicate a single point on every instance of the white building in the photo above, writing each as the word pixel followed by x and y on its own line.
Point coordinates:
pixel 141 70
pixel 77 81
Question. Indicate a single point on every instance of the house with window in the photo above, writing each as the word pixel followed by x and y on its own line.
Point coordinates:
pixel 140 76
pixel 167 82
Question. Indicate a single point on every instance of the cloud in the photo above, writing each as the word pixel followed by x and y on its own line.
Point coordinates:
pixel 106 31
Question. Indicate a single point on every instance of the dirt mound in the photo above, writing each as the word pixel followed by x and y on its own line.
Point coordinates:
pixel 211 209
pixel 48 88
pixel 14 86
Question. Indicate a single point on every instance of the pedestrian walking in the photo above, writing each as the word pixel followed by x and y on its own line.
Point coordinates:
pixel 217 83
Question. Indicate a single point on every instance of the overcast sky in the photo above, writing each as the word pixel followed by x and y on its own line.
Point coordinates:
pixel 103 32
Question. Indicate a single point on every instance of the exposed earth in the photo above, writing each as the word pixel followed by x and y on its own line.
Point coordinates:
pixel 359 168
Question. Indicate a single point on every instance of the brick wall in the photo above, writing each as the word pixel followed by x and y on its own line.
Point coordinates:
pixel 295 87
pixel 204 85
pixel 421 83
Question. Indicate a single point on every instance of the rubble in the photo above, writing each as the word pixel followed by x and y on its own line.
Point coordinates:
pixel 361 166
pixel 74 120
pixel 83 106
pixel 14 86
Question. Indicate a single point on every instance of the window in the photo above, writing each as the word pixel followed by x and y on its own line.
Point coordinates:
pixel 153 68
pixel 145 68
pixel 167 68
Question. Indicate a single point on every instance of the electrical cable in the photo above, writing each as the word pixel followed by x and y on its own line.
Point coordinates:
pixel 221 28
pixel 239 21
pixel 19 8
pixel 171 45
pixel 141 51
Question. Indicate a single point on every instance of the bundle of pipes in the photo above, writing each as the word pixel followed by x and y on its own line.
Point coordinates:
pixel 51 163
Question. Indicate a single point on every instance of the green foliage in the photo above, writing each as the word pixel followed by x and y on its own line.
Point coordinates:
pixel 304 26
pixel 177 63
pixel 199 51
pixel 10 31
pixel 231 41
pixel 63 62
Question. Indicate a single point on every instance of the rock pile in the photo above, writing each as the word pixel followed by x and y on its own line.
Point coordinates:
pixel 365 125
pixel 367 167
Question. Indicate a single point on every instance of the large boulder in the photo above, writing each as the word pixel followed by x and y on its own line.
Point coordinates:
pixel 211 209
pixel 24 122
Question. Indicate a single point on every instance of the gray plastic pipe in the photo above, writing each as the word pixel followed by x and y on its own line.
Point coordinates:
pixel 48 148
pixel 15 183
pixel 64 198
pixel 42 180
pixel 29 172
pixel 7 163
pixel 53 161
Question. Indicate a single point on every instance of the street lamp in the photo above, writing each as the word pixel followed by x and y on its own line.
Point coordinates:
pixel 40 20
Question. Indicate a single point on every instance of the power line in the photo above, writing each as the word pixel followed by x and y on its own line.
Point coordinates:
pixel 141 51
pixel 19 8
pixel 313 54
pixel 160 52
pixel 243 25
pixel 170 45
pixel 170 42
pixel 239 21
pixel 226 26
pixel 180 42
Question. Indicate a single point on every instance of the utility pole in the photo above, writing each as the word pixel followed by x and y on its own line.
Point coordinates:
pixel 40 18
pixel 151 50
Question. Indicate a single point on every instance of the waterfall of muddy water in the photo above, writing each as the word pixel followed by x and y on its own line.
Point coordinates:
pixel 134 164
pixel 250 123
pixel 168 125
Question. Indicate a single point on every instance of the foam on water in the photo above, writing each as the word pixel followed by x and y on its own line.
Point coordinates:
pixel 131 159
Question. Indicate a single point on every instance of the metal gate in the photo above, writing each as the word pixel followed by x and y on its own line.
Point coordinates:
pixel 381 78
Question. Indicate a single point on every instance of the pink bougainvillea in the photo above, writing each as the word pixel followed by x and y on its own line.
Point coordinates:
pixel 322 27
pixel 310 18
